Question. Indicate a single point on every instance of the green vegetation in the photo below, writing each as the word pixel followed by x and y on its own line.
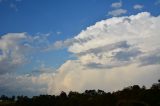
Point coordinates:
pixel 130 96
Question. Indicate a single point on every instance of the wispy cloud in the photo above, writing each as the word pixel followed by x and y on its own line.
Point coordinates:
pixel 138 7
pixel 157 2
pixel 13 6
pixel 58 32
pixel 116 4
pixel 10 0
pixel 117 12
pixel 18 0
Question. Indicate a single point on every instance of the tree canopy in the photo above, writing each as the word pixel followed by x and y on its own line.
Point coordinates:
pixel 129 96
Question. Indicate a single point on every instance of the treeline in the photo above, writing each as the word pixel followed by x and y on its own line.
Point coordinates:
pixel 129 96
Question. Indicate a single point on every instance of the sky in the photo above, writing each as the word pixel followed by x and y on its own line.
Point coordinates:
pixel 49 46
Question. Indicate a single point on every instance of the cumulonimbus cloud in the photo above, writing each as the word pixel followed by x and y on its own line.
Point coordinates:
pixel 112 54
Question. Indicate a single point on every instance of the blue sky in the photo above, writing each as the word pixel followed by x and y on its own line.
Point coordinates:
pixel 46 35
pixel 69 17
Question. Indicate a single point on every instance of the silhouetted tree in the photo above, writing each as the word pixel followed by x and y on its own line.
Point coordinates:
pixel 129 96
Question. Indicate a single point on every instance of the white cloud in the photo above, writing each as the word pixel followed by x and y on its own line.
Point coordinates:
pixel 117 12
pixel 111 55
pixel 15 49
pixel 60 44
pixel 138 7
pixel 116 4
pixel 12 52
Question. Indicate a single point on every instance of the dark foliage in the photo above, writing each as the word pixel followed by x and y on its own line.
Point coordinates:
pixel 130 96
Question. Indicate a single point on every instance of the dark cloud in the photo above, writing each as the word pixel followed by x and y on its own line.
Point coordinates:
pixel 106 48
pixel 107 66
pixel 151 59
pixel 121 58
pixel 127 20
pixel 127 55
